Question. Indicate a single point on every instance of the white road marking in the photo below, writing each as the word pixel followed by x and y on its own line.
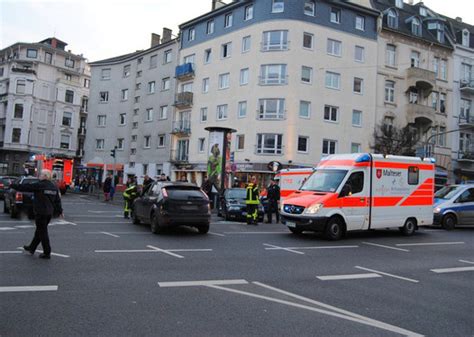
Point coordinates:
pixel 98 212
pixel 126 251
pixel 217 234
pixel 25 226
pixel 387 274
pixel 154 249
pixel 101 222
pixel 347 277
pixel 200 283
pixel 6 228
pixel 165 251
pixel 452 270
pixel 27 288
pixel 61 222
pixel 120 233
pixel 316 247
pixel 465 261
pixel 238 233
pixel 383 246
pixel 283 248
pixel 94 216
pixel 55 254
pixel 10 252
pixel 15 221
pixel 110 234
pixel 429 244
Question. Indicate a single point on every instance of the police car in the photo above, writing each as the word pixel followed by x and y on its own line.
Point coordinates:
pixel 454 205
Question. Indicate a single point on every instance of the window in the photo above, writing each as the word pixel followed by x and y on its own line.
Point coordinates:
pixel 415 59
pixel 464 142
pixel 436 66
pixel 356 118
pixel 248 12
pixel 228 20
pixel 273 74
pixel 245 44
pixel 135 125
pixel 309 7
pixel 413 175
pixel 191 34
pixel 226 50
pixel 359 54
pixel 358 85
pixel 16 135
pixel 87 83
pixel 303 143
pixel 153 61
pixel 244 76
pixel 20 86
pixel 360 22
pixel 465 38
pixel 18 111
pixel 210 27
pixel 48 58
pixel 165 84
pixel 331 113
pixel 335 15
pixel 278 6
pixel 69 97
pixel 105 74
pixel 140 60
pixel 390 91
pixel 392 19
pixel 163 112
pixel 224 80
pixel 139 73
pixel 205 85
pixel 104 96
pixel 442 136
pixel 333 80
pixel 269 143
pixel 65 139
pixel 305 109
pixel 390 55
pixel 466 196
pixel 442 103
pixel 443 69
pixel 161 140
pixel 67 118
pixel 126 70
pixel 240 142
pixel 306 74
pixel 68 77
pixel 423 11
pixel 329 147
pixel 399 3
pixel 207 56
pixel 416 27
pixel 466 72
pixel 465 108
pixel 101 120
pixel 203 115
pixel 222 112
pixel 149 115
pixel 308 40
pixel 120 143
pixel 168 56
pixel 356 182
pixel 242 109
pixel 355 148
pixel 275 40
pixel 69 63
pixel 122 119
pixel 334 47
pixel 147 142
pixel 201 144
pixel 124 94
pixel 138 86
pixel 271 108
pixel 32 53
pixel 151 87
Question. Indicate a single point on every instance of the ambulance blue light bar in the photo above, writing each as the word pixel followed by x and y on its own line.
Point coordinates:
pixel 363 158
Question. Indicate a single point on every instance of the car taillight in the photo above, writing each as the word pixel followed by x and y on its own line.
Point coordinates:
pixel 165 194
pixel 1 185
pixel 19 196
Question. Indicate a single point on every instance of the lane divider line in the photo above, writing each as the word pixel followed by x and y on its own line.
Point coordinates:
pixel 384 246
pixel 387 274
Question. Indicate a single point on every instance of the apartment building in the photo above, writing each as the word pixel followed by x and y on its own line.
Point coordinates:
pixel 44 92
pixel 295 79
pixel 130 110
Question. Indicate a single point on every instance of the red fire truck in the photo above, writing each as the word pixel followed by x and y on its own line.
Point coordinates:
pixel 61 169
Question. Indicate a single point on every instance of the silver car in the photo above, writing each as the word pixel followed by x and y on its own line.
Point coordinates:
pixel 454 205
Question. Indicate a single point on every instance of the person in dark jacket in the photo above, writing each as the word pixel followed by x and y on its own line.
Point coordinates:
pixel 147 181
pixel 107 187
pixel 46 204
pixel 273 196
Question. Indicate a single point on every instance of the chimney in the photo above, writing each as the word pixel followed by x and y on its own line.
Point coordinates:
pixel 166 35
pixel 155 39
pixel 458 19
pixel 410 2
pixel 217 4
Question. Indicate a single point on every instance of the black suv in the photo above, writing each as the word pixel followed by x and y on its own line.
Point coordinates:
pixel 16 202
pixel 232 205
pixel 169 204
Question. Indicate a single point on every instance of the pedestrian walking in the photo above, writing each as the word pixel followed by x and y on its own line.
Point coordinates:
pixel 252 202
pixel 130 193
pixel 273 197
pixel 107 187
pixel 46 204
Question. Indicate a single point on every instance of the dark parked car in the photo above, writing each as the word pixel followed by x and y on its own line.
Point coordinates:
pixel 232 205
pixel 18 202
pixel 170 204
pixel 4 185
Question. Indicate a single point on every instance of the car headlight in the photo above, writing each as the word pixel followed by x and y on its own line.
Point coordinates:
pixel 313 209
pixel 233 208
pixel 437 210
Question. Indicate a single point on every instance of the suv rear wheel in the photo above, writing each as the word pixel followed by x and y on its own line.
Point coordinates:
pixel 155 224
pixel 203 229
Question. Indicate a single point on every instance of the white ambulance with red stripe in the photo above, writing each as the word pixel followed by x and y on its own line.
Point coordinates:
pixel 290 180
pixel 362 192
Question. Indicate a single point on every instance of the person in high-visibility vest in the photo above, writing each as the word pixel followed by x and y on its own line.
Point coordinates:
pixel 252 201
pixel 130 193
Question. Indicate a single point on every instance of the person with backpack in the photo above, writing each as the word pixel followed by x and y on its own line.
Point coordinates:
pixel 46 204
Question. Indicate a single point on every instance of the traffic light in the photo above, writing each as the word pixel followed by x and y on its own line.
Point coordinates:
pixel 112 153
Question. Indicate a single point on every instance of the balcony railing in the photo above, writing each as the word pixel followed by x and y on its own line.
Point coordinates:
pixel 467 154
pixel 466 121
pixel 185 71
pixel 281 46
pixel 281 80
pixel 181 127
pixel 421 78
pixel 418 113
pixel 184 100
pixel 23 70
pixel 467 86
pixel 178 156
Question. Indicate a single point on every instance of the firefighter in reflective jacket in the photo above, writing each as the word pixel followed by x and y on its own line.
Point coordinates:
pixel 252 201
pixel 130 193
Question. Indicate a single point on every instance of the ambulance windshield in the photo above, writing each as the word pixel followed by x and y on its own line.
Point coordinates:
pixel 324 181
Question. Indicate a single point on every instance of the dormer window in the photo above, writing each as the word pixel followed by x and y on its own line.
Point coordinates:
pixel 423 11
pixel 392 19
pixel 416 27
pixel 399 3
pixel 440 36
pixel 465 38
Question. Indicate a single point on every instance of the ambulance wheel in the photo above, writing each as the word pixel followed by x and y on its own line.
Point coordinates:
pixel 409 228
pixel 296 231
pixel 449 222
pixel 334 229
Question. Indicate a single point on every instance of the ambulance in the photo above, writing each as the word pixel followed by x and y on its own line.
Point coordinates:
pixel 290 180
pixel 363 192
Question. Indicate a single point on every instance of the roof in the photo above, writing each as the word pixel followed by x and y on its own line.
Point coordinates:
pixel 457 28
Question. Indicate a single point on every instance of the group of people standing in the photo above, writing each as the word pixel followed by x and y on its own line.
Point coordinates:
pixel 252 200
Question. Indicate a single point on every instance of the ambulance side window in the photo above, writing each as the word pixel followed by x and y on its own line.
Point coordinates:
pixel 413 175
pixel 356 181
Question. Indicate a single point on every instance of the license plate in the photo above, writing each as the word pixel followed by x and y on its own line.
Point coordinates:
pixel 189 208
pixel 291 224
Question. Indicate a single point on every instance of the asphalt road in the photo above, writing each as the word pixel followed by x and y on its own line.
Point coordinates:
pixel 112 278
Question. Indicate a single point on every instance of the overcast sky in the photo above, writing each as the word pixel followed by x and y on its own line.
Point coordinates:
pixel 101 29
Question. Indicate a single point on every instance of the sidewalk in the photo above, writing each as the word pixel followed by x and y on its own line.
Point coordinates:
pixel 99 195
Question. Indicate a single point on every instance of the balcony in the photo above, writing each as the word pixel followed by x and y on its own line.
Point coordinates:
pixel 421 78
pixel 467 86
pixel 181 128
pixel 275 46
pixel 184 100
pixel 467 155
pixel 419 114
pixel 23 70
pixel 185 72
pixel 280 80
pixel 179 157
pixel 81 131
pixel 466 121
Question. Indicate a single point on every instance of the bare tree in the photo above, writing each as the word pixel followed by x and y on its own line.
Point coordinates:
pixel 389 139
